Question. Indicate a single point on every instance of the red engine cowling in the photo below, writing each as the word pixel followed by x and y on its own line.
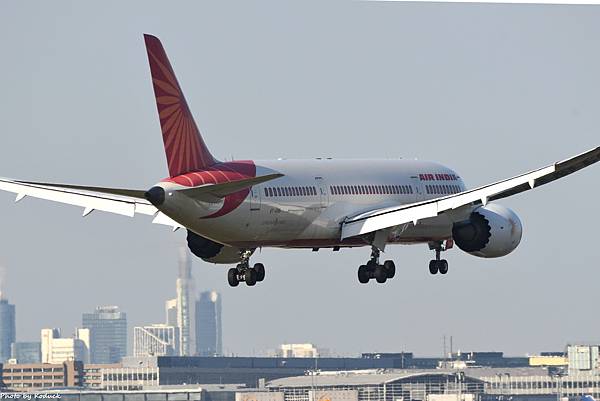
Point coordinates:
pixel 490 232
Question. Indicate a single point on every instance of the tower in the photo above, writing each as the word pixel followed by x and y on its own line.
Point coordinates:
pixel 185 305
pixel 208 324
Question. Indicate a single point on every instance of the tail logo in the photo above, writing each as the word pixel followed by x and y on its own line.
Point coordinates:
pixel 184 147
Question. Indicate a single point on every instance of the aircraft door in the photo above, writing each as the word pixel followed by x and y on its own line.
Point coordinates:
pixel 417 188
pixel 322 191
pixel 254 198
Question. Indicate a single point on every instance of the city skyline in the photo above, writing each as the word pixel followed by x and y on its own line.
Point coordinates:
pixel 490 90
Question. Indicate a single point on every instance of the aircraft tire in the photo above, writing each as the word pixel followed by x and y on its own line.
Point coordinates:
pixel 232 277
pixel 363 274
pixel 433 266
pixel 259 268
pixel 443 266
pixel 250 277
pixel 381 274
pixel 390 268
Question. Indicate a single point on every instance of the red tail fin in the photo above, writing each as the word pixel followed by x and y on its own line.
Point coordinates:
pixel 185 149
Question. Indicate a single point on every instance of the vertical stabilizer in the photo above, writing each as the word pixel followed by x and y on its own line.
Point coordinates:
pixel 184 146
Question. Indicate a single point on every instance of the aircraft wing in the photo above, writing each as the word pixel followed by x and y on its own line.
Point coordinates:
pixel 125 202
pixel 384 218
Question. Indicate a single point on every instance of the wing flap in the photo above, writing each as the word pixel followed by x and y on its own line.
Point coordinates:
pixel 379 219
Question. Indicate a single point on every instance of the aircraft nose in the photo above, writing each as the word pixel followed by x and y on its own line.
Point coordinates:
pixel 155 195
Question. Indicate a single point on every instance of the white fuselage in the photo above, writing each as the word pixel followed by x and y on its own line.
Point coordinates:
pixel 305 207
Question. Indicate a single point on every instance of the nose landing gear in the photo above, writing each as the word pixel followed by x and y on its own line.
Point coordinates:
pixel 243 271
pixel 374 270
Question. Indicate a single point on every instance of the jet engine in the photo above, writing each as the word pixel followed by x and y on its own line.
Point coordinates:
pixel 211 251
pixel 490 232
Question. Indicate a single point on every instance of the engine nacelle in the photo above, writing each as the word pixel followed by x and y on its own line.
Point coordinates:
pixel 211 251
pixel 490 232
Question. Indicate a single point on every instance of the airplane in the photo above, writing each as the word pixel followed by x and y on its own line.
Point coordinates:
pixel 232 208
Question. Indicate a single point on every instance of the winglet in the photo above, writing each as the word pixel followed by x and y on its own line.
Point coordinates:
pixel 184 146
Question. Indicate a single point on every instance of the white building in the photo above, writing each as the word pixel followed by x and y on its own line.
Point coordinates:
pixel 155 340
pixel 583 359
pixel 298 351
pixel 58 350
pixel 171 312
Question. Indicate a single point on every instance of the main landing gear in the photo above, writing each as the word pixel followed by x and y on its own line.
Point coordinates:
pixel 438 265
pixel 374 270
pixel 243 272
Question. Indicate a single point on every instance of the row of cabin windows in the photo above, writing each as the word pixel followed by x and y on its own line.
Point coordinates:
pixel 371 189
pixel 290 191
pixel 444 189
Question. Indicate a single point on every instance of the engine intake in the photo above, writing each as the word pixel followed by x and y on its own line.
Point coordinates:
pixel 490 232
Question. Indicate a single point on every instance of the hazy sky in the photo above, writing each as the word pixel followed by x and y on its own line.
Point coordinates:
pixel 489 90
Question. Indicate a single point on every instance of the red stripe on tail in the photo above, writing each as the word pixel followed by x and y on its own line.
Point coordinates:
pixel 184 146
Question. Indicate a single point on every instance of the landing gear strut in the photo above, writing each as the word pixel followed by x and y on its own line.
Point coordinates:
pixel 374 270
pixel 438 265
pixel 243 271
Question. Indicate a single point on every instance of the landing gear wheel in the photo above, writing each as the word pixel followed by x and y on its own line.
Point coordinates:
pixel 390 268
pixel 363 274
pixel 259 268
pixel 433 266
pixel 443 266
pixel 232 277
pixel 380 274
pixel 250 277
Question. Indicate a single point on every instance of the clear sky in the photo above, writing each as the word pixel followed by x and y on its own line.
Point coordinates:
pixel 489 90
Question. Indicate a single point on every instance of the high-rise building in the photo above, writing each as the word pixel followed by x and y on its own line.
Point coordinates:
pixel 208 324
pixel 26 352
pixel 108 331
pixel 7 328
pixel 155 340
pixel 56 349
pixel 183 306
pixel 171 312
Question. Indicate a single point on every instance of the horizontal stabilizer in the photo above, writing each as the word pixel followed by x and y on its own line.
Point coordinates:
pixel 134 193
pixel 214 192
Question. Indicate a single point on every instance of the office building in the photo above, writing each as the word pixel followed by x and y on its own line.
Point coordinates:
pixel 57 350
pixel 297 351
pixel 26 352
pixel 30 377
pixel 171 312
pixel 7 328
pixel 208 324
pixel 155 340
pixel 108 331
pixel 584 359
